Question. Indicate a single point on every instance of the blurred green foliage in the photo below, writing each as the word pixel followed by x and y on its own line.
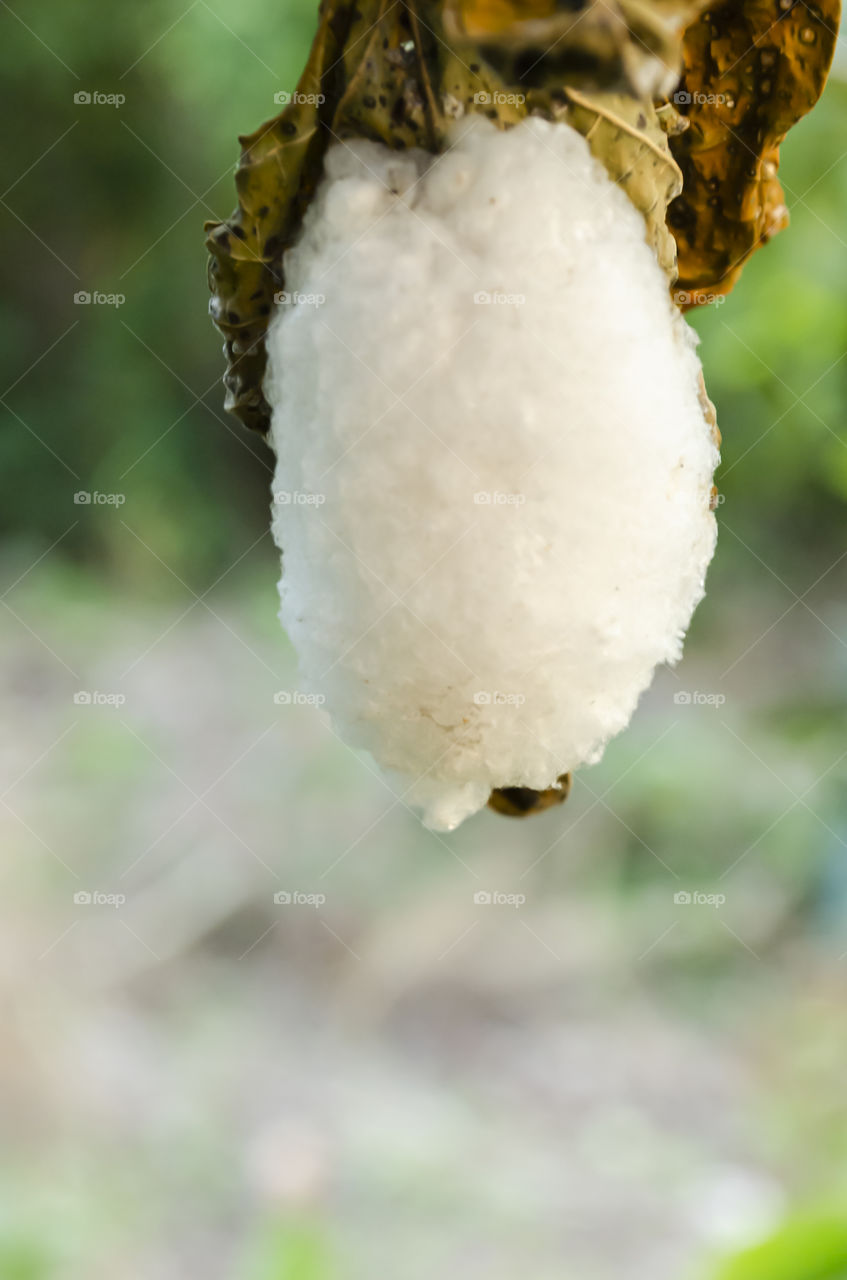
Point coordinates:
pixel 289 1250
pixel 23 1259
pixel 114 199
pixel 805 1248
pixel 774 358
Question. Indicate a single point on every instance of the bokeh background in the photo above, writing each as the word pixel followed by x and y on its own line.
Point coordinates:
pixel 603 1081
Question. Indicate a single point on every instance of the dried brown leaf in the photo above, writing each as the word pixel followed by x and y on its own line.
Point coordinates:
pixel 751 71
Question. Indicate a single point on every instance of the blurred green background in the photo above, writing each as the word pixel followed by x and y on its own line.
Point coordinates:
pixel 605 1083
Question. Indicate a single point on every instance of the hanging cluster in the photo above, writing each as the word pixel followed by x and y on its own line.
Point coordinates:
pixel 452 295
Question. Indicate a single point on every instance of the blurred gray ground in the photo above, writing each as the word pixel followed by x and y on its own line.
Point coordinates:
pixel 597 1082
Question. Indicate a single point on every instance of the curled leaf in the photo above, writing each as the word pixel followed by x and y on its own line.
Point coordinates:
pixel 279 167
pixel 623 46
pixel 627 136
pixel 751 71
pixel 521 802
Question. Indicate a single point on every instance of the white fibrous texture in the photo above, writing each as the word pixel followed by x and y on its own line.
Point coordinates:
pixel 494 460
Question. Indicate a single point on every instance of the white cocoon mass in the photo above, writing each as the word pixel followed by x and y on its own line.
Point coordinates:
pixel 494 460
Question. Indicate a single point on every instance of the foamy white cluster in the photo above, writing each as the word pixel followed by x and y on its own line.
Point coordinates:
pixel 494 465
